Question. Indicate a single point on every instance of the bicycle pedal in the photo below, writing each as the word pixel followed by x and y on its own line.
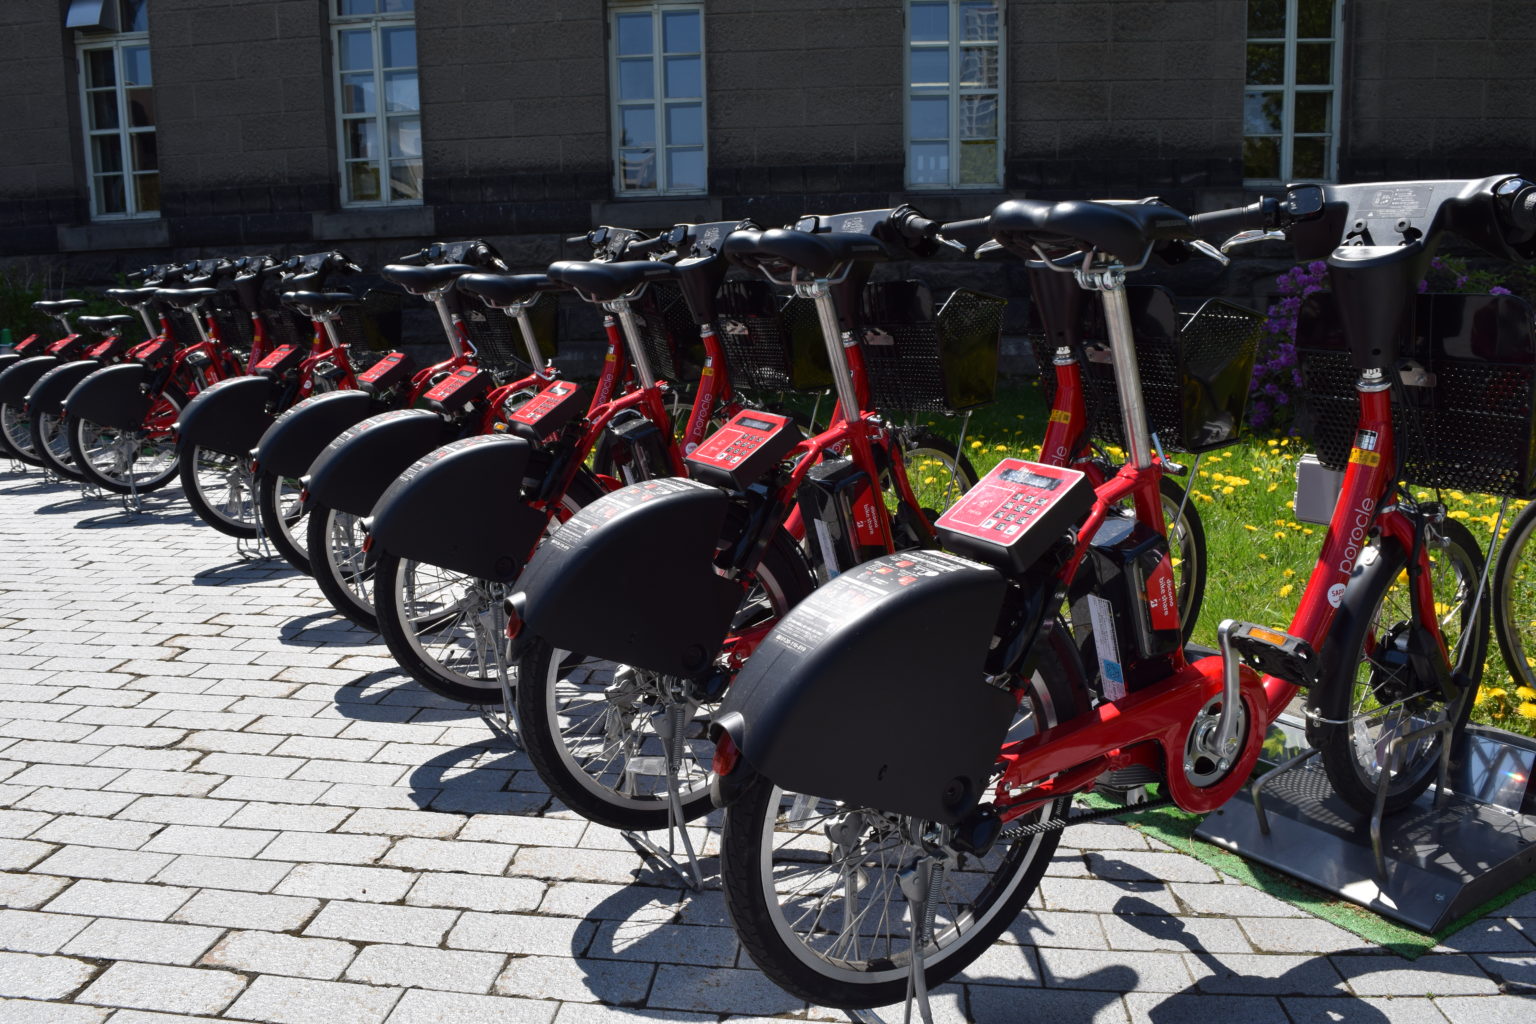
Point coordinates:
pixel 1273 653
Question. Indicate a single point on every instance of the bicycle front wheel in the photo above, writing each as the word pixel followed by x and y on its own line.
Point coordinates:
pixel 50 443
pixel 16 435
pixel 280 505
pixel 1186 546
pixel 1377 693
pixel 342 569
pixel 813 886
pixel 1514 597
pixel 124 461
pixel 220 490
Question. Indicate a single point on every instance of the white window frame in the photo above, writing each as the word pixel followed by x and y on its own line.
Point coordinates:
pixel 124 132
pixel 954 91
pixel 1288 90
pixel 380 117
pixel 658 99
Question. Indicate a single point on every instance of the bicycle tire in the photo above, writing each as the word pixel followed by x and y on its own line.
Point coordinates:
pixel 1371 618
pixel 407 613
pixel 1186 543
pixel 99 451
pixel 16 435
pixel 1514 581
pixel 837 974
pixel 282 516
pixel 558 754
pixel 229 507
pixel 50 442
pixel 341 568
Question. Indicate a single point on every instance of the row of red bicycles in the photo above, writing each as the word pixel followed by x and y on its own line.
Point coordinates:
pixel 686 586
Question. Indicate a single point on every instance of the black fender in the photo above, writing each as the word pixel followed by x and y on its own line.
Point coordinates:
pixel 17 379
pixel 895 650
pixel 113 396
pixel 55 385
pixel 631 578
pixel 352 472
pixel 228 416
pixel 298 435
pixel 461 507
pixel 7 358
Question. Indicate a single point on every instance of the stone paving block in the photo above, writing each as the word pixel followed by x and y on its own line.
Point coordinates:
pixel 70 776
pixel 520 831
pixel 20 854
pixel 443 889
pixel 27 891
pixel 419 967
pixel 20 824
pixel 1056 928
pixel 1444 975
pixel 230 742
pixel 293 725
pixel 438 855
pixel 1518 969
pixel 121 835
pixel 345 794
pixel 74 801
pixel 1174 934
pixel 297 1001
pixel 1095 896
pixel 326 846
pixel 287 818
pixel 719 990
pixel 128 736
pixel 577 865
pixel 258 765
pixel 675 943
pixel 264 952
pixel 419 1006
pixel 1299 935
pixel 1114 970
pixel 1233 900
pixel 115 715
pixel 1489 935
pixel 144 759
pixel 356 773
pixel 229 842
pixel 48 752
pixel 1267 974
pixel 991 1004
pixel 24 1011
pixel 27 976
pixel 120 899
pixel 1191 1009
pixel 1405 1009
pixel 1149 866
pixel 1482 1009
pixel 224 873
pixel 28 931
pixel 345 882
pixel 181 810
pixel 97 862
pixel 369 922
pixel 287 791
pixel 247 910
pixel 579 980
pixel 113 939
pixel 381 821
pixel 520 933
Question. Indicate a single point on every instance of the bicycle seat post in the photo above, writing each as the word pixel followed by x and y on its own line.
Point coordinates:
pixel 1109 281
pixel 621 308
pixel 819 291
pixel 519 313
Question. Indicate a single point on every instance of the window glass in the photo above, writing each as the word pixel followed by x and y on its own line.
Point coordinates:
pixel 1291 96
pixel 657 88
pixel 954 93
pixel 355 50
pixel 120 153
pixel 398 47
pixel 930 23
pixel 377 83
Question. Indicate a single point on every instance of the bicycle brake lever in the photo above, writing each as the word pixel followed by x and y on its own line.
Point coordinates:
pixel 1250 236
pixel 1207 249
pixel 952 243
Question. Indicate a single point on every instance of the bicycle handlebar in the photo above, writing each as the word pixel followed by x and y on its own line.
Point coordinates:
pixel 1225 223
pixel 972 233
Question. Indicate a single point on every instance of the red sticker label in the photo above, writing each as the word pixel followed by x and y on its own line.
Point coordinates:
pixel 1162 596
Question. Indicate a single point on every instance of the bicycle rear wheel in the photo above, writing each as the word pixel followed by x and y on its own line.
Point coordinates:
pixel 282 512
pixel 1370 696
pixel 124 461
pixel 1514 597
pixel 16 435
pixel 50 442
pixel 220 490
pixel 342 569
pixel 814 892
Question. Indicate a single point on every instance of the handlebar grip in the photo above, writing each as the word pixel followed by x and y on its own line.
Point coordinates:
pixel 1227 223
pixel 969 233
pixel 646 245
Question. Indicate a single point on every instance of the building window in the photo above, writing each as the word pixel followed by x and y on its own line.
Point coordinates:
pixel 119 116
pixel 954 93
pixel 657 78
pixel 1291 103
pixel 378 101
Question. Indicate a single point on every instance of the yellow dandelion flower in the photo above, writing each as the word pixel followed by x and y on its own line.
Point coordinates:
pixel 975 444
pixel 1497 691
pixel 1525 692
pixel 1000 448
pixel 1227 489
pixel 1263 556
pixel 1271 488
pixel 1306 531
pixel 1279 534
pixel 1285 591
pixel 1459 514
pixel 1289 573
pixel 1274 443
pixel 1526 710
pixel 1251 529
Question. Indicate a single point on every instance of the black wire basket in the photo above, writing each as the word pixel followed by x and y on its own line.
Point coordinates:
pixel 1196 369
pixel 771 343
pixel 919 360
pixel 667 331
pixel 1462 407
pixel 287 326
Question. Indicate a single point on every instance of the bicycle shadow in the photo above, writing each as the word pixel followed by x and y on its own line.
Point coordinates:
pixel 474 778
pixel 1300 980
pixel 243 571
pixel 325 628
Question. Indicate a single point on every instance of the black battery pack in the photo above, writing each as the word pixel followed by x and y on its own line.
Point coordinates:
pixel 1125 606
pixel 838 501
pixel 639 451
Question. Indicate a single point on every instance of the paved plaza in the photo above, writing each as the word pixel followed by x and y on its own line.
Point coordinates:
pixel 218 800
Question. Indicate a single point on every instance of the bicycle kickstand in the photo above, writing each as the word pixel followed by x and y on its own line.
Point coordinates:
pixel 132 504
pixel 503 722
pixel 258 547
pixel 673 736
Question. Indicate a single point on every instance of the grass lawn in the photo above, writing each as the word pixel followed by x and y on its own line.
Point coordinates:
pixel 1259 555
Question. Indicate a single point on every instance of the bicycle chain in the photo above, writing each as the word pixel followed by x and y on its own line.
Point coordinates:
pixel 1036 828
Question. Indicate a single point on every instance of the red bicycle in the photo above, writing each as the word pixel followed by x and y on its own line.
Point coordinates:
pixel 19 375
pixel 44 403
pixel 943 809
pixel 439 594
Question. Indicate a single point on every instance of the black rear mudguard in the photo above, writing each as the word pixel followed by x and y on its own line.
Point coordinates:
pixel 352 472
pixel 461 508
pixel 631 578
pixel 16 380
pixel 113 396
pixel 890 656
pixel 55 385
pixel 296 437
pixel 229 416
pixel 7 358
